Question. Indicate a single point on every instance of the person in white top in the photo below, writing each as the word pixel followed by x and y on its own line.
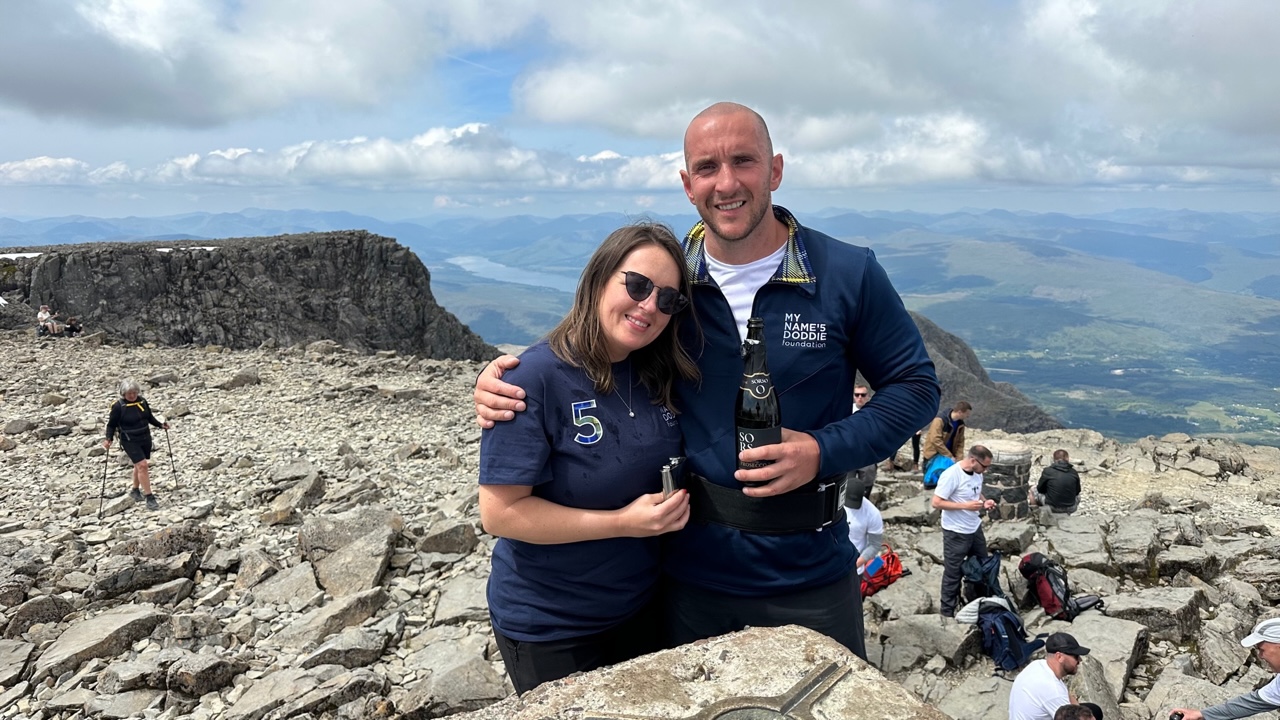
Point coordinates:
pixel 1266 637
pixel 866 525
pixel 1040 689
pixel 959 497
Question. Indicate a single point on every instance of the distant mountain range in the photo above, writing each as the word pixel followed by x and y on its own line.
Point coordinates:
pixel 1132 322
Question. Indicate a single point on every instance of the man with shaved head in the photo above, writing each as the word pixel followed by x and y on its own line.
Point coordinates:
pixel 777 553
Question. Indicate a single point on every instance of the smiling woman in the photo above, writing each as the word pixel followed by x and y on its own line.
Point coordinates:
pixel 573 485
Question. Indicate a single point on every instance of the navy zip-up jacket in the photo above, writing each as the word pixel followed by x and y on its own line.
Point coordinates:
pixel 829 311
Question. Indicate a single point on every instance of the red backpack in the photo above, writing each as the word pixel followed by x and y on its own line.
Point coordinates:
pixel 1048 581
pixel 875 579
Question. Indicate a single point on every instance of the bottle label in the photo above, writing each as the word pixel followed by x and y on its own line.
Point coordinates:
pixel 760 385
pixel 755 437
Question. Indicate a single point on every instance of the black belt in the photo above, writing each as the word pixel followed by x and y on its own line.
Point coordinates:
pixel 812 506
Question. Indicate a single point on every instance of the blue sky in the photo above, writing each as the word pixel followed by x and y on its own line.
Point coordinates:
pixel 411 108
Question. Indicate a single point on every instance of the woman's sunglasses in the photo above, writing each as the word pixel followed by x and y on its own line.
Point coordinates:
pixel 639 287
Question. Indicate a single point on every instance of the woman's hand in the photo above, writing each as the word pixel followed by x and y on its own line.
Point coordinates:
pixel 165 425
pixel 106 444
pixel 650 515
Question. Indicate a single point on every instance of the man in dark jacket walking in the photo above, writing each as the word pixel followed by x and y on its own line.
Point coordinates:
pixel 1059 486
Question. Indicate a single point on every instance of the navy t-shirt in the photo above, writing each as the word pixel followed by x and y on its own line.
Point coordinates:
pixel 578 449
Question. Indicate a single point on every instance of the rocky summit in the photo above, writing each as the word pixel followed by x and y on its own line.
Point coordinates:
pixel 358 289
pixel 317 554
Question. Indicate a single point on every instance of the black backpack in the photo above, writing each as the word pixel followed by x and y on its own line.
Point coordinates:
pixel 982 577
pixel 1004 639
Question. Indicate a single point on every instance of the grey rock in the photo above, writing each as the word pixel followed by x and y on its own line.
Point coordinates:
pixel 323 534
pixel 986 697
pixel 276 689
pixel 1117 644
pixel 210 463
pixel 462 600
pixel 13 693
pixel 1078 542
pixel 940 636
pixel 188 537
pixel 170 593
pixel 1231 551
pixel 44 609
pixel 1219 651
pixel 119 575
pixel 14 656
pixel 198 673
pixel 17 426
pixel 1263 574
pixel 130 704
pixel 243 378
pixel 52 399
pixel 1195 560
pixel 1168 613
pixel 74 700
pixel 220 560
pixel 132 675
pixel 320 623
pixel 334 692
pixel 1011 538
pixel 295 584
pixel 914 511
pixel 255 566
pixel 1134 542
pixel 13 589
pixel 7 444
pixel 1173 689
pixel 53 431
pixel 351 648
pixel 449 536
pixel 457 680
pixel 102 636
pixel 1091 684
pixel 358 565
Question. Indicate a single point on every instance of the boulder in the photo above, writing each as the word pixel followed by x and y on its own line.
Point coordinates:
pixel 463 599
pixel 306 491
pixel 449 536
pixel 255 566
pixel 119 575
pixel 14 655
pixel 323 534
pixel 189 537
pixel 1171 614
pixel 43 609
pixel 275 689
pixel 358 565
pixel 294 586
pixel 1116 644
pixel 320 623
pixel 351 648
pixel 983 697
pixel 1133 543
pixel 1195 560
pixel 1263 574
pixel 1010 538
pixel 1078 542
pixel 334 692
pixel 102 636
pixel 131 675
pixel 932 635
pixel 132 704
pixel 199 673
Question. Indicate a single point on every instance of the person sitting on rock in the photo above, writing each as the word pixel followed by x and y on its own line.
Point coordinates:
pixel 572 486
pixel 1041 689
pixel 1266 638
pixel 946 433
pixel 866 525
pixel 1059 486
pixel 47 321
pixel 73 327
pixel 131 416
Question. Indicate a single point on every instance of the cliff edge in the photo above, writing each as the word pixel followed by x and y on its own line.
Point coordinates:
pixel 362 290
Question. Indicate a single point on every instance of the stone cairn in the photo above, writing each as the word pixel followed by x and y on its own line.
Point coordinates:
pixel 1008 479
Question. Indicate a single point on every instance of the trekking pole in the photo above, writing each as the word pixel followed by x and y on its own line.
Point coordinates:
pixel 172 464
pixel 106 460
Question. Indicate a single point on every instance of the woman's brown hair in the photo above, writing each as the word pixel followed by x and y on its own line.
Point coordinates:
pixel 579 338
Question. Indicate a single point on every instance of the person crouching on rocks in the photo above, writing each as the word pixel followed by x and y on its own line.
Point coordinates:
pixel 130 416
pixel 1266 637
pixel 573 485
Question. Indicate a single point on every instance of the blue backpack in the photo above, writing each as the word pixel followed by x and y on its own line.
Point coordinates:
pixel 933 469
pixel 1004 639
pixel 982 577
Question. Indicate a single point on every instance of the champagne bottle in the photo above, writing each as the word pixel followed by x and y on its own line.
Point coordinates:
pixel 758 417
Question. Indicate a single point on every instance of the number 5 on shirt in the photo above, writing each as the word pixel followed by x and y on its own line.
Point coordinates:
pixel 582 419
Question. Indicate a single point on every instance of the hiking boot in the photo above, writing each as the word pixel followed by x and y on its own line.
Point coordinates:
pixel 135 495
pixel 152 504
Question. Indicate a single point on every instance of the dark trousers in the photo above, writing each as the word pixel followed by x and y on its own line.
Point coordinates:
pixel 956 547
pixel 529 664
pixel 835 610
pixel 915 449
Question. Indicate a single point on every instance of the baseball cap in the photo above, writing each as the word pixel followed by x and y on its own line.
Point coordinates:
pixel 1266 631
pixel 1064 643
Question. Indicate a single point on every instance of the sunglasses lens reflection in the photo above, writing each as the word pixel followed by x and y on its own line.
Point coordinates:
pixel 639 287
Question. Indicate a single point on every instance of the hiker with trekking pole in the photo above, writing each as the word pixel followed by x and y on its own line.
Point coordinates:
pixel 131 417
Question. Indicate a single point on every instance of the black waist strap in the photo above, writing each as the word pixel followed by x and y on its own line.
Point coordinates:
pixel 809 507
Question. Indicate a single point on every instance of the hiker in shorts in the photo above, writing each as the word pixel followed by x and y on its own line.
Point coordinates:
pixel 131 416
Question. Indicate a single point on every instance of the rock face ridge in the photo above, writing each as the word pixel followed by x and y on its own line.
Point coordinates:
pixel 358 289
pixel 995 404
